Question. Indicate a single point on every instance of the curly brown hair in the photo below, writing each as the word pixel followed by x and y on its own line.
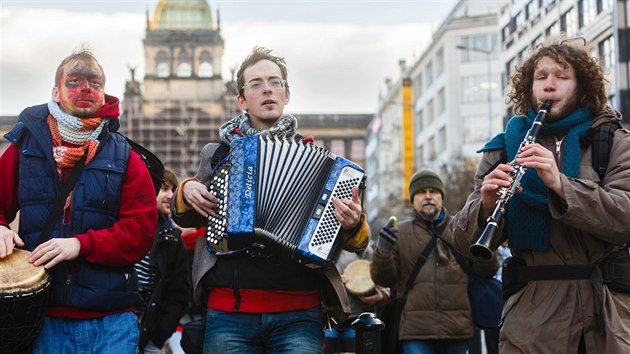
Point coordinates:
pixel 573 52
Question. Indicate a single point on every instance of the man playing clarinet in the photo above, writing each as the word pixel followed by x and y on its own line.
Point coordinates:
pixel 568 281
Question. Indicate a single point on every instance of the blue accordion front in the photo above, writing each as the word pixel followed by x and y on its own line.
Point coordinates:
pixel 277 194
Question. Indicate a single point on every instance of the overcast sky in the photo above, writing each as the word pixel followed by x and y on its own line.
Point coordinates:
pixel 338 52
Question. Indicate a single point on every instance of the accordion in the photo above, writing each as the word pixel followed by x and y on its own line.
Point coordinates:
pixel 277 194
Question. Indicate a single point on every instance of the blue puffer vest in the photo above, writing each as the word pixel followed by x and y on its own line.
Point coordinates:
pixel 95 205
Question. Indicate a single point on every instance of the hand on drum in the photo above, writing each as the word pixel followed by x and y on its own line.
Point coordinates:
pixel 54 251
pixel 348 211
pixel 199 198
pixel 8 240
pixel 372 299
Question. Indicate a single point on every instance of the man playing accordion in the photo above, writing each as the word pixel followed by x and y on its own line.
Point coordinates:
pixel 259 302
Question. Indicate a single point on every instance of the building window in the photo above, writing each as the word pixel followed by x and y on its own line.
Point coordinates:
pixel 432 149
pixel 184 67
pixel 162 64
pixel 205 65
pixel 475 88
pixel 439 62
pixel 553 30
pixel 532 9
pixel 587 10
pixel 419 157
pixel 442 139
pixel 568 22
pixel 357 150
pixel 484 42
pixel 417 86
pixel 430 112
pixel 604 5
pixel 418 121
pixel 537 41
pixel 475 128
pixel 505 33
pixel 441 101
pixel 520 21
pixel 338 147
pixel 509 68
pixel 607 53
pixel 428 74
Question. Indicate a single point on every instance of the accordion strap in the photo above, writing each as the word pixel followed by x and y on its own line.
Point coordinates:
pixel 220 153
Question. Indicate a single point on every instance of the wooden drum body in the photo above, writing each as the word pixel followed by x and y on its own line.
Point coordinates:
pixel 23 298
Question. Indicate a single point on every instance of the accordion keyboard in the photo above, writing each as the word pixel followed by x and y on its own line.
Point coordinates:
pixel 217 225
pixel 323 238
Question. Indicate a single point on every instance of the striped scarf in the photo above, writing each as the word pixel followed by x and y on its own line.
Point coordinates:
pixel 242 126
pixel 82 132
pixel 528 212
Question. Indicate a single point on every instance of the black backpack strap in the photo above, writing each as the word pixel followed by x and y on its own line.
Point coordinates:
pixel 153 163
pixel 436 233
pixel 57 209
pixel 419 263
pixel 601 145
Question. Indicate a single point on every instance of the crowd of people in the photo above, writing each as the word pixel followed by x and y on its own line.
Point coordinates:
pixel 127 263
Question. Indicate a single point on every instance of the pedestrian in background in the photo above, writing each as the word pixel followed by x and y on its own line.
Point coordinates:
pixel 436 316
pixel 165 286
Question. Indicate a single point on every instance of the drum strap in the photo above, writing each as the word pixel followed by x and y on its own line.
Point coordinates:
pixel 57 209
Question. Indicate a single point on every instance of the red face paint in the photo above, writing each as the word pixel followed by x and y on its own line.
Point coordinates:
pixel 80 90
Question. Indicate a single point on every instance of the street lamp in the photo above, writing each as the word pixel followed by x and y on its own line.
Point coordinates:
pixel 488 54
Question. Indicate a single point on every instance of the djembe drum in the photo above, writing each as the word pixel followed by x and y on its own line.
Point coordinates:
pixel 23 298
pixel 358 279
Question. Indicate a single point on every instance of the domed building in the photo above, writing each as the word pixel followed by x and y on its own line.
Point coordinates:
pixel 182 99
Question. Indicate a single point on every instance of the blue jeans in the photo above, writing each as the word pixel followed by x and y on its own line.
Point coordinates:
pixel 110 334
pixel 435 346
pixel 282 332
pixel 340 340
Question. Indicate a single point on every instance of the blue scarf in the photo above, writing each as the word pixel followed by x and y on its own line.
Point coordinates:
pixel 528 213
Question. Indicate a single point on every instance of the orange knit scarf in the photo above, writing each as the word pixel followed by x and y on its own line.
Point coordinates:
pixel 67 156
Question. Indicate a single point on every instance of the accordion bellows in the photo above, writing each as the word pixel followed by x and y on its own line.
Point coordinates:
pixel 277 193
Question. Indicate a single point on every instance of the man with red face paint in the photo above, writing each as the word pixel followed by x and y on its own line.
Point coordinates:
pixel 568 281
pixel 107 223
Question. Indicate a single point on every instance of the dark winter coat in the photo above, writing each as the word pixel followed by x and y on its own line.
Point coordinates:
pixel 172 288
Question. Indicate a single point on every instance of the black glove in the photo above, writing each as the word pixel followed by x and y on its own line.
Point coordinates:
pixel 387 238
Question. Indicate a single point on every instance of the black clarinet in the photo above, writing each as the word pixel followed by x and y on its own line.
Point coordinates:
pixel 481 249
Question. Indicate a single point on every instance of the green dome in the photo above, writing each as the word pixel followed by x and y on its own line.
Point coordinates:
pixel 182 14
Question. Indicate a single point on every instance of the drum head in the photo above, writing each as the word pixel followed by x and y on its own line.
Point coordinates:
pixel 358 279
pixel 17 273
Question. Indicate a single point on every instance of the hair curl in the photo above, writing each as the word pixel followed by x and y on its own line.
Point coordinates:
pixel 573 52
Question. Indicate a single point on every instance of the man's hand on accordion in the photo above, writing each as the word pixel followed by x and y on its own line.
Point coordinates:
pixel 199 198
pixel 348 211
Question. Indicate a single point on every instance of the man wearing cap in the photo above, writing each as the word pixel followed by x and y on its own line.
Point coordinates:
pixel 436 317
